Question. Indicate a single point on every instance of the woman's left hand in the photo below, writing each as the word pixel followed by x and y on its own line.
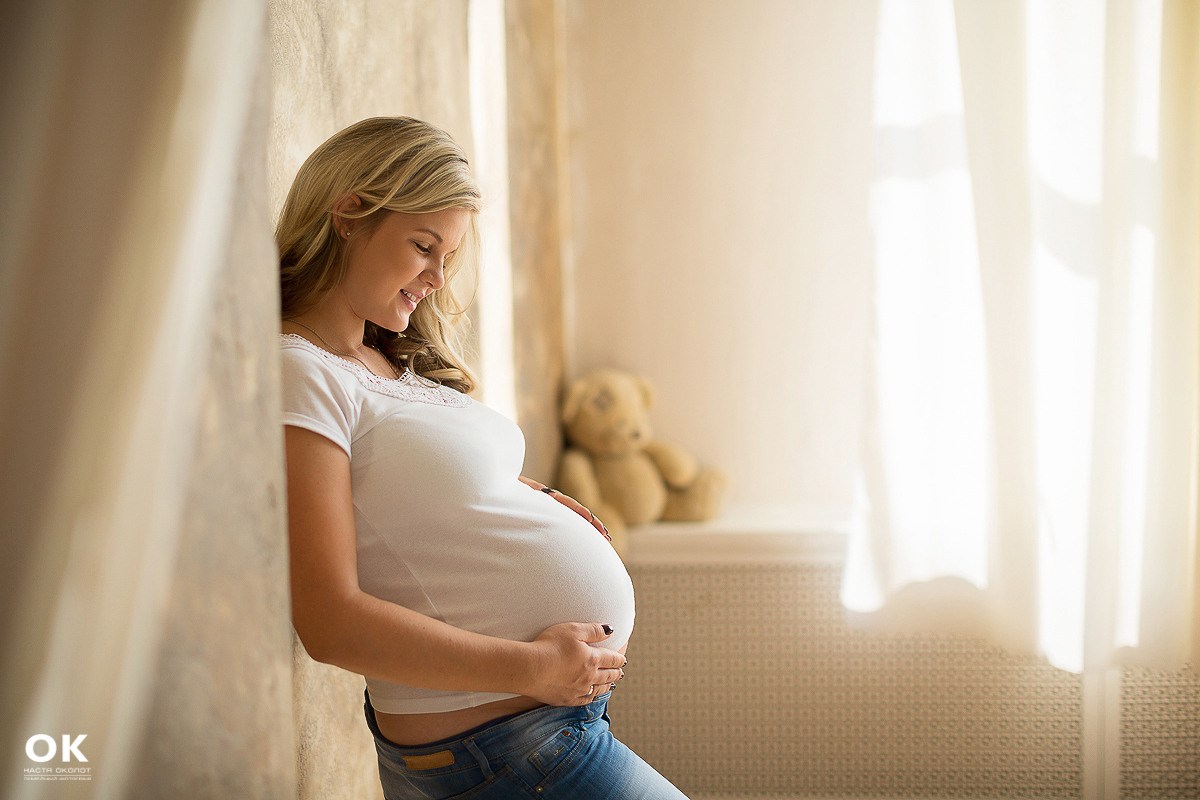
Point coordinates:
pixel 571 503
pixel 581 510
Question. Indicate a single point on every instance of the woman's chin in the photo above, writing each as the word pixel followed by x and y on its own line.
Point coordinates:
pixel 396 324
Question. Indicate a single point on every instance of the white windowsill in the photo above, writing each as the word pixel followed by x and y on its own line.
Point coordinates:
pixel 742 536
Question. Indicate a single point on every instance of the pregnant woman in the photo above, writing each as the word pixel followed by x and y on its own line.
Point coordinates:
pixel 489 614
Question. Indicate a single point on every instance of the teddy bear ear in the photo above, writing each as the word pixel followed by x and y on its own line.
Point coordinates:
pixel 573 401
pixel 647 391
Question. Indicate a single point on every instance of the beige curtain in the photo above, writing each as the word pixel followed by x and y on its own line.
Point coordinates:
pixel 1030 449
pixel 121 135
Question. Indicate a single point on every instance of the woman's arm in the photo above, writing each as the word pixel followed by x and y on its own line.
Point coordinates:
pixel 340 624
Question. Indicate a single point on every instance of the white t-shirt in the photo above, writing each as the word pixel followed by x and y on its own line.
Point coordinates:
pixel 443 525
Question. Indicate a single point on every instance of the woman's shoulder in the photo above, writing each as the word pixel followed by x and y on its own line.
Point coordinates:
pixel 303 364
pixel 296 343
pixel 299 353
pixel 302 357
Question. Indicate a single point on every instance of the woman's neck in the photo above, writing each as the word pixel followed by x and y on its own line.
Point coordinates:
pixel 338 332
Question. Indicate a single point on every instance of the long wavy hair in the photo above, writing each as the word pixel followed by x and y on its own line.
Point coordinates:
pixel 391 164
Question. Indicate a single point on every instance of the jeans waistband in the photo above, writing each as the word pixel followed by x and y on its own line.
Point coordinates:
pixel 492 739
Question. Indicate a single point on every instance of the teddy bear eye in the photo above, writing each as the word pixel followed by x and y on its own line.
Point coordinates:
pixel 603 401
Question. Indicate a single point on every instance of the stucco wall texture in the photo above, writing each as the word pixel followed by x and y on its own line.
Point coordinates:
pixel 223 723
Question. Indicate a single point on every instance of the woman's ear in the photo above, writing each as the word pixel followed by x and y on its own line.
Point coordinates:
pixel 344 205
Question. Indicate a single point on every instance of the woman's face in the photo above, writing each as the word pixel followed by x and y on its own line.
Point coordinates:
pixel 394 268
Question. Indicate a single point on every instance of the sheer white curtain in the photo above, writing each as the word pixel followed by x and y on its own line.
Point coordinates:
pixel 1030 442
pixel 122 129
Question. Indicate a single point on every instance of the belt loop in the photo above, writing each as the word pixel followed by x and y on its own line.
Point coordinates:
pixel 479 756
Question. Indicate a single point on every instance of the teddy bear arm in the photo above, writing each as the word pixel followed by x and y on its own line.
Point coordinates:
pixel 577 478
pixel 698 502
pixel 678 467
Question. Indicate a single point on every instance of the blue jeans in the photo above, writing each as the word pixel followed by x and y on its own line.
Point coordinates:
pixel 549 752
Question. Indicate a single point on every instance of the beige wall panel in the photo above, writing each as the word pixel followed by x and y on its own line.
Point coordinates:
pixel 534 204
pixel 798 704
pixel 719 207
pixel 745 681
pixel 1160 733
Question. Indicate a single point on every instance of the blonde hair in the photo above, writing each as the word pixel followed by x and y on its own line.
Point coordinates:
pixel 390 164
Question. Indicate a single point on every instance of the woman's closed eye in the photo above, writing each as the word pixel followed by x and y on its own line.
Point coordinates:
pixel 423 249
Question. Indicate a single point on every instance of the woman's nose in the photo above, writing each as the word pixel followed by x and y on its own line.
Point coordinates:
pixel 436 276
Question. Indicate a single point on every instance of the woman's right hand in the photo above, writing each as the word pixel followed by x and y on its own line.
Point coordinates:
pixel 570 672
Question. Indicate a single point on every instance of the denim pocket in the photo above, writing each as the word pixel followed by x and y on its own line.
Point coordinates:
pixel 556 750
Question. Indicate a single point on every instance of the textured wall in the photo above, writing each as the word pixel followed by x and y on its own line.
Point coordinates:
pixel 336 63
pixel 719 227
pixel 223 726
pixel 333 64
pixel 1160 734
pixel 745 681
pixel 535 206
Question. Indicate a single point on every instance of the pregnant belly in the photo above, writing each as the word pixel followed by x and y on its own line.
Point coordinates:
pixel 512 570
pixel 509 568
pixel 540 567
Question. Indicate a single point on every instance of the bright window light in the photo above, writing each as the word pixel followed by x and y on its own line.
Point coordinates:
pixel 489 122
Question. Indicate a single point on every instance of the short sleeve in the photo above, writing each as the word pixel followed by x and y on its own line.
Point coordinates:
pixel 314 397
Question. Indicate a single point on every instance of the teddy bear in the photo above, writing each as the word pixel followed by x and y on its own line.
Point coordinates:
pixel 613 466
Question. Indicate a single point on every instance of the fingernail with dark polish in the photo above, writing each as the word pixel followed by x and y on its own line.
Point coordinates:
pixel 607 629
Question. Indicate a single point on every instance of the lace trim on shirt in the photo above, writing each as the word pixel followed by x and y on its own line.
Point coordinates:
pixel 409 386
